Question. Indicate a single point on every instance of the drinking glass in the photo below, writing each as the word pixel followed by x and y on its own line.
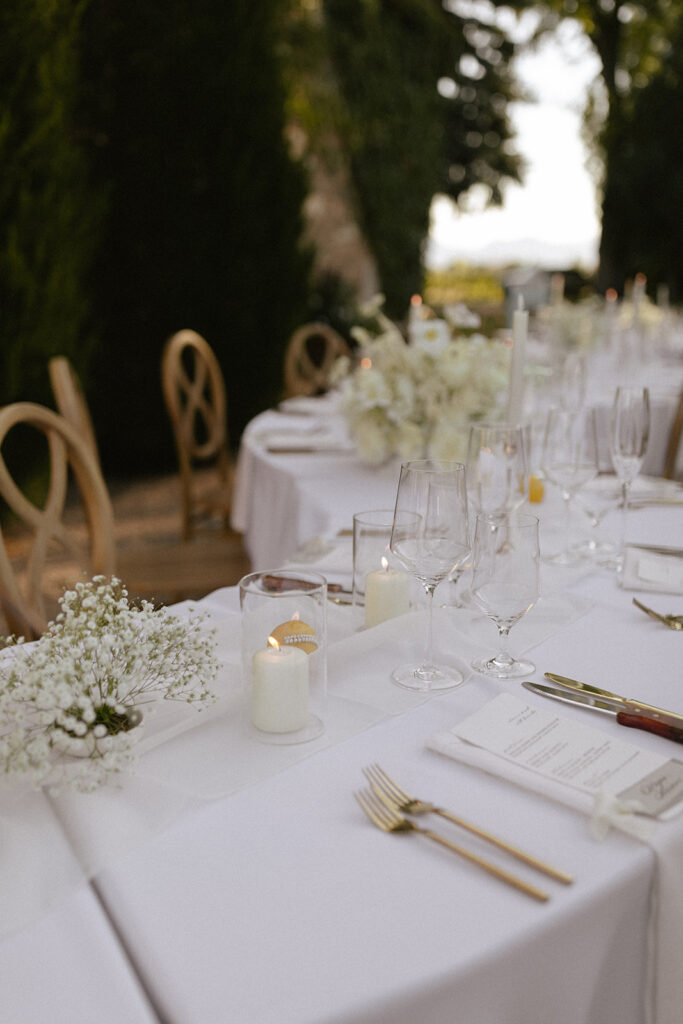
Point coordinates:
pixel 430 538
pixel 629 433
pixel 572 393
pixel 570 461
pixel 496 467
pixel 505 573
pixel 596 499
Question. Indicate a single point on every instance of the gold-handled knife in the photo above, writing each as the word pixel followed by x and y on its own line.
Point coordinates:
pixel 629 711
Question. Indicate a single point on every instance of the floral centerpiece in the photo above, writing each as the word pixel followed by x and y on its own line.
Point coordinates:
pixel 71 704
pixel 414 400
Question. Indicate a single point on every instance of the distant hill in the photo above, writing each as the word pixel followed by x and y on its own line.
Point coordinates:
pixel 524 251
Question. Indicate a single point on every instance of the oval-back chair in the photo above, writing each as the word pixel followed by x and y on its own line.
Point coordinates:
pixel 309 357
pixel 23 594
pixel 194 393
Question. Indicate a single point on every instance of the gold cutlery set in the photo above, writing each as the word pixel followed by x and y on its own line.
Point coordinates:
pixel 386 805
pixel 672 621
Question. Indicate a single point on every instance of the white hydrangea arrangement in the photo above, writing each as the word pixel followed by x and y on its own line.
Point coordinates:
pixel 81 688
pixel 415 400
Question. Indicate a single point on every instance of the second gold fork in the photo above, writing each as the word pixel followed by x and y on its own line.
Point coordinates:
pixel 393 796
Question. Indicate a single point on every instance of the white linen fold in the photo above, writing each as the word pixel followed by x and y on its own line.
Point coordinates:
pixel 664 997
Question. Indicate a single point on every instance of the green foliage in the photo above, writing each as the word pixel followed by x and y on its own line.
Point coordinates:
pixel 49 213
pixel 183 106
pixel 408 139
pixel 643 198
pixel 638 43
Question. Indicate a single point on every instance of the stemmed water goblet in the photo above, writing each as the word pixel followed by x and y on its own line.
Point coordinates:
pixel 570 461
pixel 497 475
pixel 505 582
pixel 629 433
pixel 496 467
pixel 430 538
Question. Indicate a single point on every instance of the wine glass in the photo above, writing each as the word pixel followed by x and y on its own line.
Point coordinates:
pixel 629 433
pixel 496 467
pixel 574 380
pixel 596 499
pixel 570 461
pixel 505 574
pixel 430 538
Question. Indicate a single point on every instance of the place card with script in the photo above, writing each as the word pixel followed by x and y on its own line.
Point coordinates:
pixel 571 754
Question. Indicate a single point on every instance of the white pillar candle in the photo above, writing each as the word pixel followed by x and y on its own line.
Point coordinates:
pixel 520 326
pixel 279 698
pixel 386 594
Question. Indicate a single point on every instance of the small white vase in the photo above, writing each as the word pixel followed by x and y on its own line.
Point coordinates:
pixel 93 746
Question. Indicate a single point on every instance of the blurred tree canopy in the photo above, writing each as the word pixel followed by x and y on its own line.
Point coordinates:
pixel 183 107
pixel 50 211
pixel 632 121
pixel 419 97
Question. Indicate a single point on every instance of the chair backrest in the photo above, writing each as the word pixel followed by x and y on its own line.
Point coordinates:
pixel 309 357
pixel 22 592
pixel 674 441
pixel 70 400
pixel 194 392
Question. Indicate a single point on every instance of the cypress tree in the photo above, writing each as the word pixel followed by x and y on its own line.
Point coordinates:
pixel 184 107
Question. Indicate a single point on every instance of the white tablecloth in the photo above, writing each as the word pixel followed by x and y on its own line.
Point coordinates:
pixel 278 902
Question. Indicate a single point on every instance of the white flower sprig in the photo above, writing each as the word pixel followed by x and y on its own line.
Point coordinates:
pixel 81 687
pixel 413 400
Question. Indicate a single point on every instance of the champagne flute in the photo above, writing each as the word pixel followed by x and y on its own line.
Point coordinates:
pixel 505 583
pixel 430 538
pixel 570 461
pixel 629 433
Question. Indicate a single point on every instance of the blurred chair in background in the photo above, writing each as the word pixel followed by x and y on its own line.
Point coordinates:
pixel 61 539
pixel 309 357
pixel 194 393
pixel 24 596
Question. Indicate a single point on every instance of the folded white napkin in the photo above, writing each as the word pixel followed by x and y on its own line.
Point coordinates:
pixel 602 814
pixel 646 569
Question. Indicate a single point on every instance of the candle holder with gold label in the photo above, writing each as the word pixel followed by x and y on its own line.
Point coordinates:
pixel 284 654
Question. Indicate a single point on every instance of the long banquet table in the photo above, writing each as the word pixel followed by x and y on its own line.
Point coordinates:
pixel 239 882
pixel 266 896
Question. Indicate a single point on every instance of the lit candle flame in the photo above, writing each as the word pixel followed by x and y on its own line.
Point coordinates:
pixel 273 643
pixel 385 563
pixel 611 295
pixel 415 300
pixel 366 362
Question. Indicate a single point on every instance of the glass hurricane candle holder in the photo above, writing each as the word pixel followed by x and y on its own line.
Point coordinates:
pixel 284 654
pixel 376 569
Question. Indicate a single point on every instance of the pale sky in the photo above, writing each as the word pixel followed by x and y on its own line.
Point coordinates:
pixel 556 205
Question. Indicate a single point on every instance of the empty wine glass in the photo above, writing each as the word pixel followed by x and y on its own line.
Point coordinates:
pixel 574 379
pixel 629 433
pixel 430 538
pixel 570 460
pixel 505 574
pixel 496 467
pixel 596 499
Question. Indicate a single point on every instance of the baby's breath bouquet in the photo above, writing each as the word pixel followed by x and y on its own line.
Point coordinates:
pixel 81 689
pixel 413 400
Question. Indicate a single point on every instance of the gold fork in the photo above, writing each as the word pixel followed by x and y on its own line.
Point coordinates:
pixel 391 821
pixel 390 792
pixel 672 621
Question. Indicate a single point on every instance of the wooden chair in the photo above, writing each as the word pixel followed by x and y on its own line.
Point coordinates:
pixel 57 546
pixel 194 393
pixel 309 357
pixel 71 402
pixel 23 596
pixel 674 442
